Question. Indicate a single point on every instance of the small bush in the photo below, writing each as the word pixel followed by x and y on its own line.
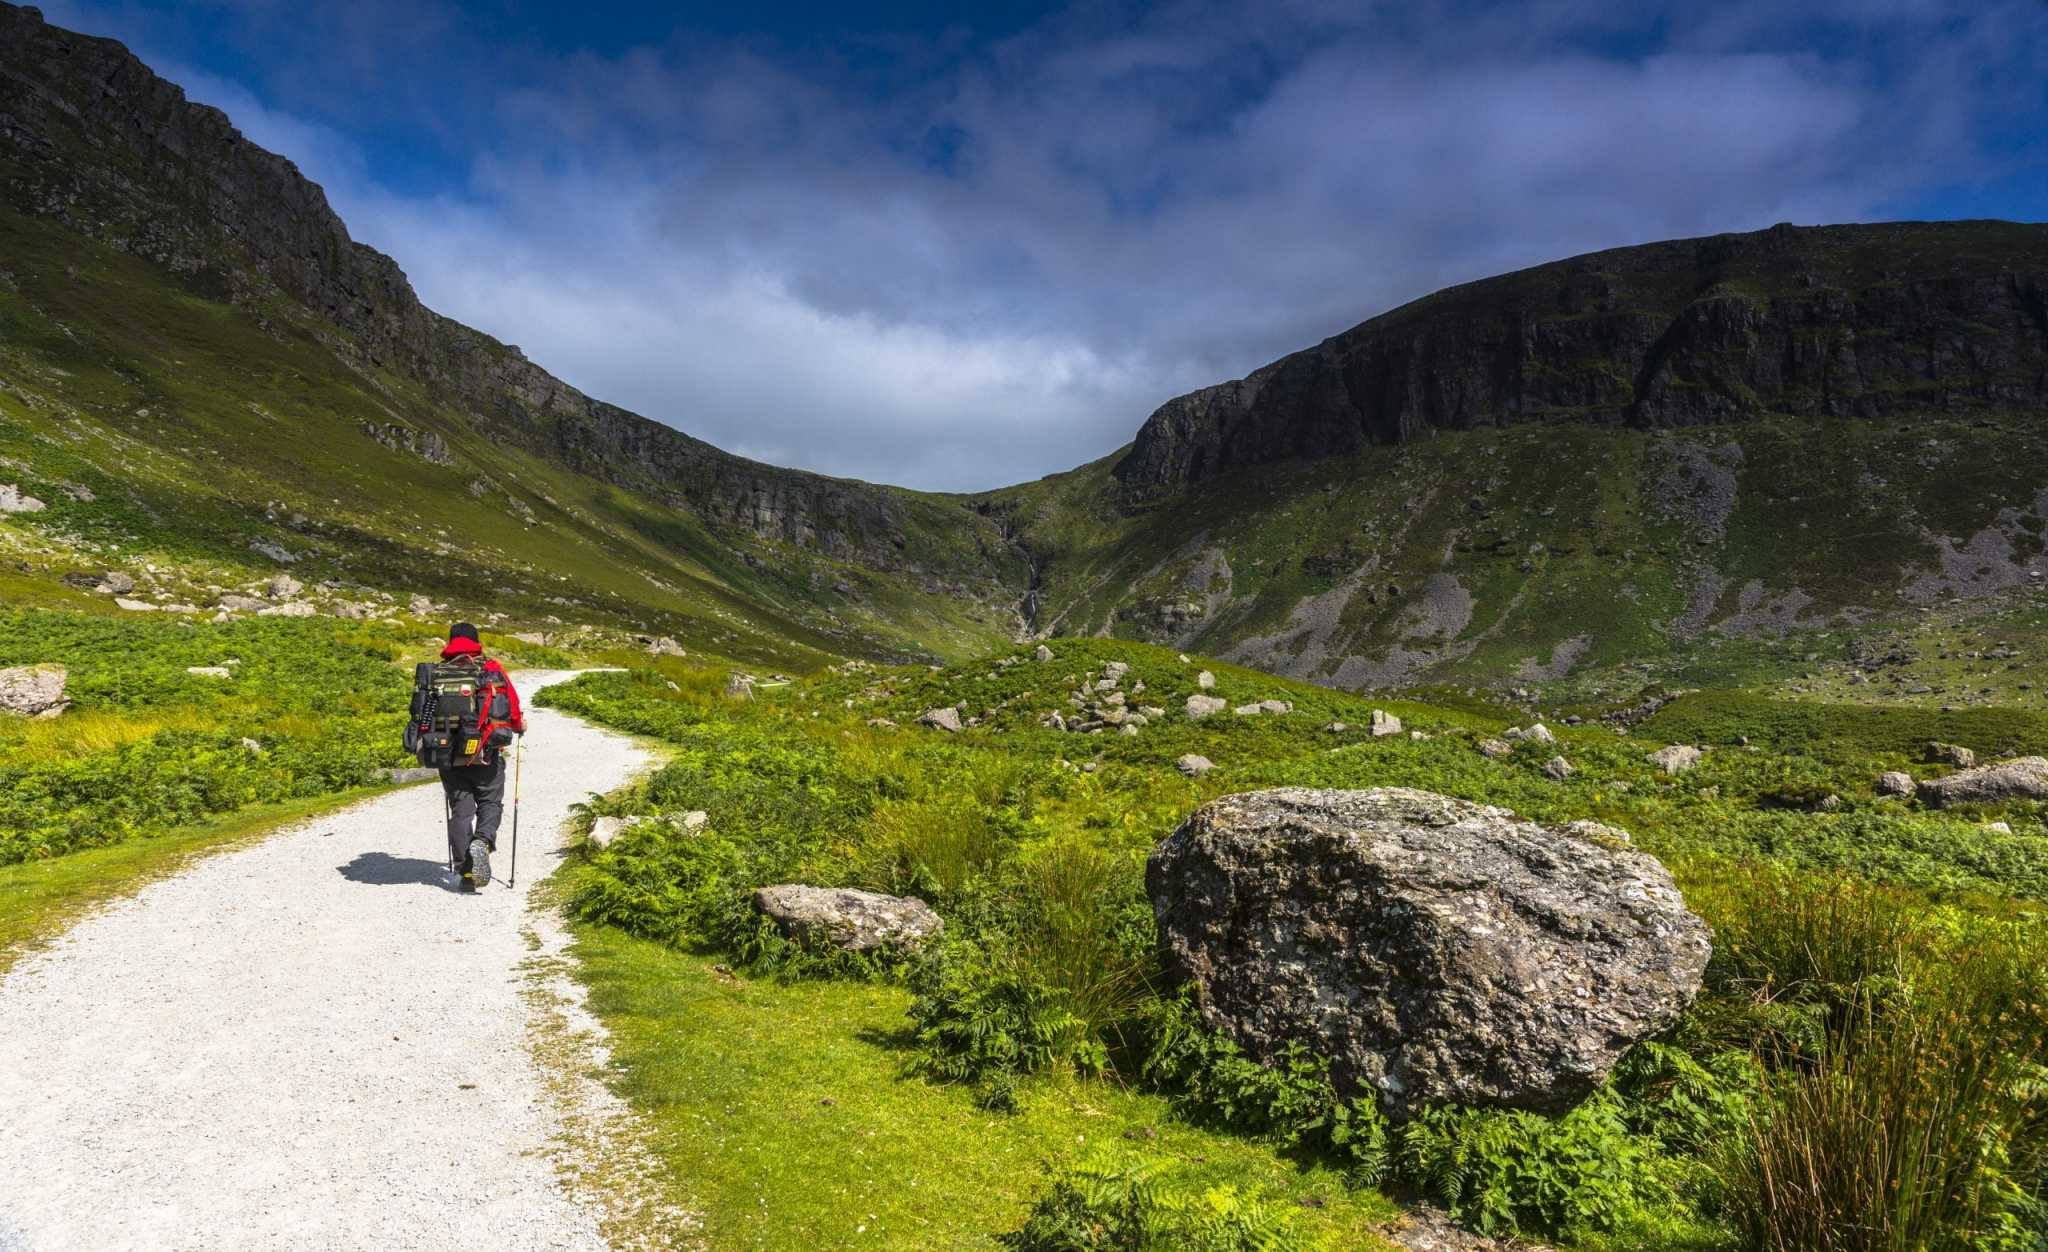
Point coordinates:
pixel 1101 1205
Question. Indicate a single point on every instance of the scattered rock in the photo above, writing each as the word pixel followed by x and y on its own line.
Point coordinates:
pixel 1496 748
pixel 243 604
pixel 34 690
pixel 1676 759
pixel 1999 828
pixel 1194 765
pixel 1199 707
pixel 606 829
pixel 419 605
pixel 120 582
pixel 284 587
pixel 883 723
pixel 854 921
pixel 1830 803
pixel 251 746
pixel 210 671
pixel 1384 724
pixel 665 646
pixel 134 606
pixel 695 819
pixel 12 500
pixel 1433 949
pixel 2022 779
pixel 1337 728
pixel 1949 754
pixel 1205 680
pixel 276 552
pixel 1558 769
pixel 1115 670
pixel 297 608
pixel 1896 782
pixel 946 719
pixel 1539 733
pixel 1042 653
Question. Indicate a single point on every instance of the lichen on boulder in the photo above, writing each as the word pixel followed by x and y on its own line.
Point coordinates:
pixel 1434 950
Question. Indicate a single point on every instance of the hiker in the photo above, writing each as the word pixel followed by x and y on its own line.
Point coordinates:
pixel 474 784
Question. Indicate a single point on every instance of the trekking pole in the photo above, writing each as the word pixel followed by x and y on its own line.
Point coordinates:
pixel 518 759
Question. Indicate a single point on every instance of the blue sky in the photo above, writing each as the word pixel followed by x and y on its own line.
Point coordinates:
pixel 954 246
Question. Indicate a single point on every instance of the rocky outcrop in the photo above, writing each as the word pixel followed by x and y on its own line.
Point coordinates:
pixel 840 917
pixel 2023 779
pixel 1431 948
pixel 1864 321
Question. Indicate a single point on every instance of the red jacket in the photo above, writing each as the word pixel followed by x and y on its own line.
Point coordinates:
pixel 470 647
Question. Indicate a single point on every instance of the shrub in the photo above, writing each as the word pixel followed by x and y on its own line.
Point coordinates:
pixel 1103 1205
pixel 1510 1170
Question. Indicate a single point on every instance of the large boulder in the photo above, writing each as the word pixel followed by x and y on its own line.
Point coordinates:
pixel 34 690
pixel 944 718
pixel 2022 779
pixel 842 917
pixel 1431 948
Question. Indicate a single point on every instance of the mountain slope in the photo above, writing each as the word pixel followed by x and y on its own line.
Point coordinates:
pixel 172 287
pixel 1688 458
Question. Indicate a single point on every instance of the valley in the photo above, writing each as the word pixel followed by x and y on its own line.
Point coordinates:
pixel 996 869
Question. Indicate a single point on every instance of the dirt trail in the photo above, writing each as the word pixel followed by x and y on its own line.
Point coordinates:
pixel 276 1049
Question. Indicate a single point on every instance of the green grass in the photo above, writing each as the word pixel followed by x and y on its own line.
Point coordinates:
pixel 1045 974
pixel 41 899
pixel 786 1109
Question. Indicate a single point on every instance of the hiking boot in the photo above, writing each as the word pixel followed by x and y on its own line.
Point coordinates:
pixel 479 863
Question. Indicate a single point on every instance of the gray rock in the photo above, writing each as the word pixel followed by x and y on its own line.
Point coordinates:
pixel 665 646
pixel 695 819
pixel 1676 759
pixel 2023 779
pixel 1384 724
pixel 284 587
pixel 1337 728
pixel 1896 782
pixel 1194 764
pixel 1114 670
pixel 243 604
pixel 1199 707
pixel 855 921
pixel 1205 680
pixel 12 500
pixel 210 671
pixel 946 719
pixel 1949 754
pixel 1042 653
pixel 120 582
pixel 297 608
pixel 408 775
pixel 605 830
pixel 252 747
pixel 1432 949
pixel 34 690
pixel 1558 769
pixel 1496 748
pixel 1539 733
pixel 134 606
pixel 276 552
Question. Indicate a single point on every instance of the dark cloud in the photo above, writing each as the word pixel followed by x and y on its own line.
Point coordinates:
pixel 954 261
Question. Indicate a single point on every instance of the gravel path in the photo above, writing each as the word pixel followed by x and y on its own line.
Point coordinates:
pixel 276 1049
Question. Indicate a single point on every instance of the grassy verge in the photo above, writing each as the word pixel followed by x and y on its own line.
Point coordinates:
pixel 39 900
pixel 788 1109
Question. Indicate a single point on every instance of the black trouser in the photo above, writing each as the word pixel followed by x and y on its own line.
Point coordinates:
pixel 476 803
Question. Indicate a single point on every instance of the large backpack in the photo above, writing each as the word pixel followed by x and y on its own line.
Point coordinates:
pixel 456 705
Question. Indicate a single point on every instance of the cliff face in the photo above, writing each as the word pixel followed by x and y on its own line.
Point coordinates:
pixel 89 135
pixel 1851 321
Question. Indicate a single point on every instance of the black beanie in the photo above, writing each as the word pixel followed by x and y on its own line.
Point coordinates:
pixel 463 630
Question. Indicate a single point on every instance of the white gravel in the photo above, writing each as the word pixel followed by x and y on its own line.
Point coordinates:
pixel 273 1049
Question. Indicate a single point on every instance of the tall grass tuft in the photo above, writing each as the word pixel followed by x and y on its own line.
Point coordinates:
pixel 1085 932
pixel 936 846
